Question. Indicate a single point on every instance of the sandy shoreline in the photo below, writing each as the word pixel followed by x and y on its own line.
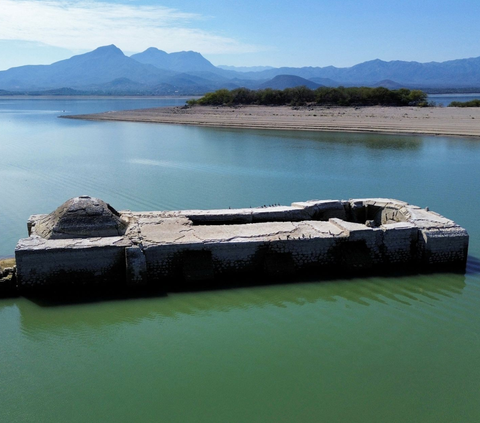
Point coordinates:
pixel 449 121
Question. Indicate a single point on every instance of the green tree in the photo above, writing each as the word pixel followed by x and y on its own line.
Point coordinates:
pixel 299 96
pixel 269 97
pixel 217 98
pixel 417 98
pixel 243 96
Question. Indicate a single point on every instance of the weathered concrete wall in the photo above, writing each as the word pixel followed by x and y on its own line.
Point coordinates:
pixel 169 249
pixel 90 261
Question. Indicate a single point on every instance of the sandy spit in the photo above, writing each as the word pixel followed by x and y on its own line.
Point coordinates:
pixel 448 121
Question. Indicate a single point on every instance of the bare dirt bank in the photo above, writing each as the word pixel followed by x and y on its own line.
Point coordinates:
pixel 408 120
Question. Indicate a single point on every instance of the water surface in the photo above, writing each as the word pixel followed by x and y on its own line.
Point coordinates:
pixel 362 350
pixel 446 99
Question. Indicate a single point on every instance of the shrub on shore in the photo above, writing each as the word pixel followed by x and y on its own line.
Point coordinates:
pixel 300 96
pixel 471 103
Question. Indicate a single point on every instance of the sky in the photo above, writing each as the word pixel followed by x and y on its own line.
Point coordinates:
pixel 277 33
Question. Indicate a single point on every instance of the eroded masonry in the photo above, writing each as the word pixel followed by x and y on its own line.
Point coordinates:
pixel 87 242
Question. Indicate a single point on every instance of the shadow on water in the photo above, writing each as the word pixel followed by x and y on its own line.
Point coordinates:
pixel 45 314
pixel 370 141
pixel 341 284
pixel 473 266
pixel 73 295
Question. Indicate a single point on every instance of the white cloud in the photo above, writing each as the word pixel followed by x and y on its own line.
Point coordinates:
pixel 84 25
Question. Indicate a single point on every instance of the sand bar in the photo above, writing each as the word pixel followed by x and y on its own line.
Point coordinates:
pixel 450 121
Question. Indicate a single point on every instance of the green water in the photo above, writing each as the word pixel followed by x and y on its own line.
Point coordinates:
pixel 362 350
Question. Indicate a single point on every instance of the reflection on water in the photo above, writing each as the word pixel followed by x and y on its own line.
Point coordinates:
pixel 364 140
pixel 473 266
pixel 405 291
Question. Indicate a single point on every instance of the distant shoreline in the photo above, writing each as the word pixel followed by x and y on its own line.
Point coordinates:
pixel 97 97
pixel 463 122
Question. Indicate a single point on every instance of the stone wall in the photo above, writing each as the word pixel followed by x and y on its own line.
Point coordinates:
pixel 172 250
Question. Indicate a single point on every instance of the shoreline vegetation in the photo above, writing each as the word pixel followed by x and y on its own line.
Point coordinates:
pixel 471 103
pixel 323 96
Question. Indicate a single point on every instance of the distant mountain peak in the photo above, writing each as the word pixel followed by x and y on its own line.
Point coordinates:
pixel 103 65
pixel 110 47
pixel 107 50
pixel 280 82
pixel 180 61
pixel 153 50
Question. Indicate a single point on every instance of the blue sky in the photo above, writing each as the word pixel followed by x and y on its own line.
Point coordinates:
pixel 243 33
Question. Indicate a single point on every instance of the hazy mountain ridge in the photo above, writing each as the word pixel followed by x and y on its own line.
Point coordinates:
pixel 458 73
pixel 106 70
pixel 102 65
pixel 245 68
pixel 182 61
pixel 280 82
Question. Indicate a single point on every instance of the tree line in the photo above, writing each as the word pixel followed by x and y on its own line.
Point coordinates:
pixel 301 96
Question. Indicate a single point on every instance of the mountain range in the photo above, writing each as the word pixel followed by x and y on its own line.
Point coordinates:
pixel 107 70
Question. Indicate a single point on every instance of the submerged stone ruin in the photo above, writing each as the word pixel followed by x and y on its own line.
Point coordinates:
pixel 87 243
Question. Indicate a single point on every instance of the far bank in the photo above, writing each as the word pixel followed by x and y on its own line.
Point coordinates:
pixel 463 122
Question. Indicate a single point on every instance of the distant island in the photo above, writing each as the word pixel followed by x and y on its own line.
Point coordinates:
pixel 107 71
pixel 301 96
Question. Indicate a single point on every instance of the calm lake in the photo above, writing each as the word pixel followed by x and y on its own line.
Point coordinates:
pixel 403 349
pixel 446 99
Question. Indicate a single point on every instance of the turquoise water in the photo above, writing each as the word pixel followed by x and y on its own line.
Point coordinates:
pixel 446 99
pixel 362 350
